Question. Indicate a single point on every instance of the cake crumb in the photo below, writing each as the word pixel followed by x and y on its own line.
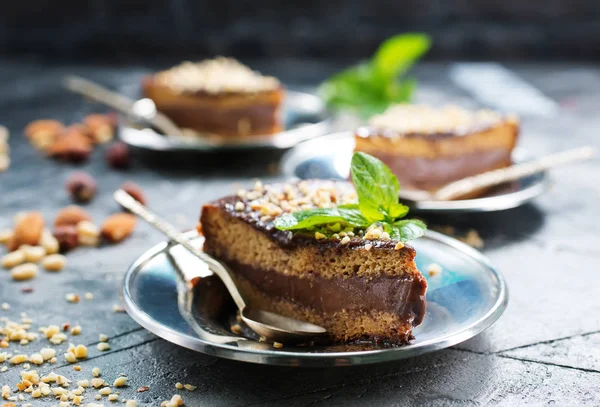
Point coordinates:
pixel 434 269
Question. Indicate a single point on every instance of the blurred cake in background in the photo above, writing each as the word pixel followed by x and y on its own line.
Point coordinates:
pixel 218 97
pixel 428 147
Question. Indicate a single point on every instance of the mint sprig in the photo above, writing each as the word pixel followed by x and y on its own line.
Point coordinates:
pixel 377 189
pixel 370 87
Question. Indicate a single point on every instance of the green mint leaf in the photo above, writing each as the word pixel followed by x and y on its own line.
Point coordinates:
pixel 370 87
pixel 397 54
pixel 377 188
pixel 315 217
pixel 406 230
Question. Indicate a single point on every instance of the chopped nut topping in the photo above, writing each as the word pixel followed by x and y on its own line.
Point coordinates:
pixel 405 118
pixel 218 75
pixel 368 246
pixel 319 236
pixel 399 246
pixel 345 240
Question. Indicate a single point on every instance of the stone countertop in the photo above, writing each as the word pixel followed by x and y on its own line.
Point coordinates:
pixel 545 349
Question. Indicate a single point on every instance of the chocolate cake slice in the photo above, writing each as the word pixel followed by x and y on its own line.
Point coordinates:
pixel 358 284
pixel 218 97
pixel 428 147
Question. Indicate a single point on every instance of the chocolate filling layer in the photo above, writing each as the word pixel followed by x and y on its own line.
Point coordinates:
pixel 424 173
pixel 260 118
pixel 404 296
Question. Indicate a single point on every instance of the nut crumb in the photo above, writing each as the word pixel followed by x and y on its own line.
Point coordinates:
pixel 399 246
pixel 277 345
pixel 434 269
pixel 72 298
pixel 103 346
pixel 236 329
pixel 189 387
pixel 142 389
pixel 89 296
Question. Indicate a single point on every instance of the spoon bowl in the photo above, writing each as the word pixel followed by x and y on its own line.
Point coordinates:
pixel 278 328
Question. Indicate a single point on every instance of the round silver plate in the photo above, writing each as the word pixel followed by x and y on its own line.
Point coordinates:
pixel 305 117
pixel 464 299
pixel 330 156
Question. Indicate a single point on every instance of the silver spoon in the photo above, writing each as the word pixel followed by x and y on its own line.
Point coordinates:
pixel 142 110
pixel 272 326
pixel 470 185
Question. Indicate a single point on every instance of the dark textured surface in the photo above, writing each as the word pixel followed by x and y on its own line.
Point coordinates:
pixel 300 28
pixel 542 351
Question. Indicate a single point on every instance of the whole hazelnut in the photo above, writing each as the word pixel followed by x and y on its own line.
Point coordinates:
pixel 67 237
pixel 135 191
pixel 81 187
pixel 117 156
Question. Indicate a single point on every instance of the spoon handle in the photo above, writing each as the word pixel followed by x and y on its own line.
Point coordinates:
pixel 492 178
pixel 172 233
pixel 120 103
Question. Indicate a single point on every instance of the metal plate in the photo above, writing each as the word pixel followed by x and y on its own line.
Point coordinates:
pixel 330 156
pixel 305 117
pixel 464 299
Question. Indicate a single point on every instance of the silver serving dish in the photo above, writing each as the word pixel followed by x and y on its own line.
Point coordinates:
pixel 464 299
pixel 305 117
pixel 329 158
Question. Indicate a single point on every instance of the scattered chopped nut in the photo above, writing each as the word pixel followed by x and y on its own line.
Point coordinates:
pixel 118 308
pixel 36 359
pixel 72 298
pixel 105 391
pixel 54 262
pixel 113 397
pixel 48 353
pixel 120 382
pixel 97 382
pixel 102 127
pixel 73 145
pixel 81 351
pixel 70 357
pixel 88 234
pixel 131 403
pixel 24 272
pixel 77 368
pixel 434 269
pixel 18 359
pixel 103 338
pixel 96 372
pixel 28 230
pixel 89 296
pixel 143 389
pixel 103 346
pixel 76 330
pixel 190 387
pixel 178 385
pixel 345 240
pixel 277 345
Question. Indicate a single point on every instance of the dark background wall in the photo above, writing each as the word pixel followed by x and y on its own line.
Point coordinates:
pixel 499 29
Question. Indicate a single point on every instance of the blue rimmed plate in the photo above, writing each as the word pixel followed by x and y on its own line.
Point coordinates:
pixel 464 299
